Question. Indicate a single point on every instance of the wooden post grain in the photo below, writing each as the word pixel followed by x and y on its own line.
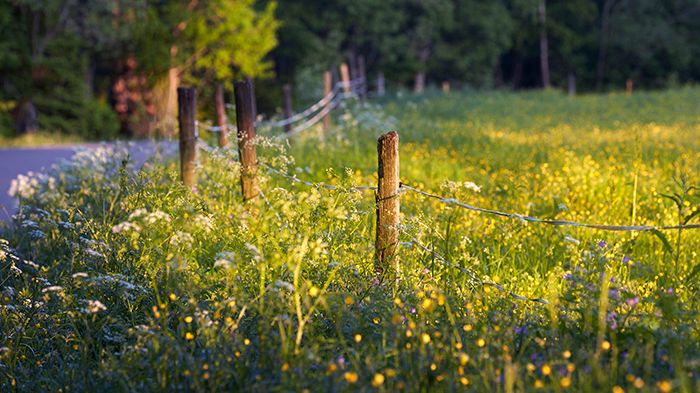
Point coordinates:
pixel 287 92
pixel 187 103
pixel 387 205
pixel 345 78
pixel 221 115
pixel 245 119
pixel 380 84
pixel 327 89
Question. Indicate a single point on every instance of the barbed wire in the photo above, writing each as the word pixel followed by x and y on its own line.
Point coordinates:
pixel 470 273
pixel 315 185
pixel 526 218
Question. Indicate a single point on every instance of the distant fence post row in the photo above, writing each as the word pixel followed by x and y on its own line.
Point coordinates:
pixel 387 195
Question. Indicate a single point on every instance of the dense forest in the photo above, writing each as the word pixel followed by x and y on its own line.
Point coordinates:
pixel 101 68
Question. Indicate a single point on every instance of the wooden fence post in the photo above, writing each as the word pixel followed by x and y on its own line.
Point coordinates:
pixel 187 103
pixel 629 86
pixel 387 205
pixel 380 84
pixel 245 119
pixel 221 115
pixel 445 87
pixel 327 89
pixel 345 77
pixel 287 92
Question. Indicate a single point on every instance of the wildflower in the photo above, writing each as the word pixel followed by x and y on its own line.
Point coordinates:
pixel 546 370
pixel 126 227
pixel 188 319
pixel 378 380
pixel 471 186
pixel 467 328
pixel 605 345
pixel 180 238
pixel 633 301
pixel 425 338
pixel 571 239
pixel 246 342
pixel 565 382
pixel 538 384
pixel 602 244
pixel 189 336
pixel 638 383
pixel 53 288
pixel 349 300
pixel 358 338
pixel 664 386
pixel 285 367
pixel 172 297
pixel 350 377
pixel 618 389
pixel 464 381
pixel 95 306
pixel 567 354
pixel 480 342
pixel 463 359
pixel 314 291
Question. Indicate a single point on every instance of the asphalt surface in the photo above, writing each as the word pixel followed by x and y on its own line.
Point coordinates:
pixel 17 161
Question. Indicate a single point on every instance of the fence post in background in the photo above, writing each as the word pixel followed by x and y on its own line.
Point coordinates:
pixel 380 84
pixel 629 85
pixel 345 78
pixel 186 104
pixel 362 76
pixel 446 87
pixel 387 205
pixel 245 120
pixel 221 115
pixel 287 92
pixel 327 89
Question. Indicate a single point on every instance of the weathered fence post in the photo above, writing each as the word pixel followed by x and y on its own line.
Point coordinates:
pixel 629 86
pixel 221 115
pixel 287 92
pixel 345 78
pixel 380 84
pixel 387 204
pixel 327 89
pixel 187 103
pixel 245 119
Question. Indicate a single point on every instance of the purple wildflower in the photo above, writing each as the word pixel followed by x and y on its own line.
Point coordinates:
pixel 626 259
pixel 602 244
pixel 633 301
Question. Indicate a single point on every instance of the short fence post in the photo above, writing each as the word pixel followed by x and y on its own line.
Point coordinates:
pixel 629 86
pixel 187 103
pixel 287 92
pixel 387 204
pixel 380 84
pixel 221 115
pixel 445 87
pixel 327 89
pixel 345 77
pixel 245 120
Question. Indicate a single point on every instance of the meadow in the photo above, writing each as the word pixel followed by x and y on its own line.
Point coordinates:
pixel 117 279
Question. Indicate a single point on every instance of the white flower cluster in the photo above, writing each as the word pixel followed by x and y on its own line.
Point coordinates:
pixel 204 222
pixel 93 307
pixel 225 260
pixel 125 227
pixel 181 239
pixel 26 186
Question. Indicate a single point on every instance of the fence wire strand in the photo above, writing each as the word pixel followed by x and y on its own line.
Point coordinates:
pixel 526 218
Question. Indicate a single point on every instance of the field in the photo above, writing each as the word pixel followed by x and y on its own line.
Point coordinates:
pixel 124 280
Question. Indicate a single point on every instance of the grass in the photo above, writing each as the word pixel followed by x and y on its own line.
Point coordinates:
pixel 39 139
pixel 126 281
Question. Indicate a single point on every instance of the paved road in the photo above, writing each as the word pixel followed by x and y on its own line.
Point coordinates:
pixel 16 161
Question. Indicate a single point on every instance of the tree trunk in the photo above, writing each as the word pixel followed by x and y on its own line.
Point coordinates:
pixel 603 42
pixel 419 83
pixel 572 83
pixel 544 45
pixel 26 119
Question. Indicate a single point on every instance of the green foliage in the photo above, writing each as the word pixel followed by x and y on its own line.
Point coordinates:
pixel 119 280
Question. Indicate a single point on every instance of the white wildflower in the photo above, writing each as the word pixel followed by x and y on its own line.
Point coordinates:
pixel 224 259
pixel 204 222
pixel 37 234
pixel 156 216
pixel 284 285
pixel 180 238
pixel 53 288
pixel 471 186
pixel 32 264
pixel 79 275
pixel 94 306
pixel 137 213
pixel 126 226
pixel 570 239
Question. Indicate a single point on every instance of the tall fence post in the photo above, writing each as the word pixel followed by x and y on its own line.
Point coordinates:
pixel 287 92
pixel 327 89
pixel 221 115
pixel 245 120
pixel 345 78
pixel 380 84
pixel 387 204
pixel 629 86
pixel 187 104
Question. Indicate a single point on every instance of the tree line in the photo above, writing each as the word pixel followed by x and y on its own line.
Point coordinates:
pixel 103 67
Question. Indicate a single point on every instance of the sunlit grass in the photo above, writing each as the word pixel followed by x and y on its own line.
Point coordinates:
pixel 202 292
